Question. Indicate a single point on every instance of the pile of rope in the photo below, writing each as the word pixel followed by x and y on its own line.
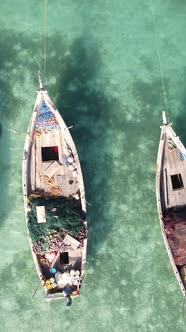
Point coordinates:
pixel 45 120
pixel 63 216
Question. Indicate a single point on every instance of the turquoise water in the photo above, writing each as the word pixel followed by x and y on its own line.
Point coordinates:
pixel 103 74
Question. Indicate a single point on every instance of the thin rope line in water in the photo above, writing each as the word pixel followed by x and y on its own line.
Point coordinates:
pixel 50 319
pixel 158 52
pixel 183 306
pixel 45 38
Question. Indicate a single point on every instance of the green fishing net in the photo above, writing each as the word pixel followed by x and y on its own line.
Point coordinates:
pixel 61 214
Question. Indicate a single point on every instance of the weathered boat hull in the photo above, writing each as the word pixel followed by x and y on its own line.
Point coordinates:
pixel 171 197
pixel 51 173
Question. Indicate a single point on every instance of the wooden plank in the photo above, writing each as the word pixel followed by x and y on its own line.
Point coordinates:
pixel 39 172
pixel 70 240
pixel 166 188
pixel 52 169
pixel 61 170
pixel 59 140
pixel 41 215
pixel 174 165
pixel 33 167
pixel 62 181
pixel 45 165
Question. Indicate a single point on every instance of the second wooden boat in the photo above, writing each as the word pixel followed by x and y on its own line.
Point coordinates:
pixel 54 200
pixel 171 198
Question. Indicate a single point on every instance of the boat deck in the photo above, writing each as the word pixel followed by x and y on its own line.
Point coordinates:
pixel 173 175
pixel 56 177
pixel 74 262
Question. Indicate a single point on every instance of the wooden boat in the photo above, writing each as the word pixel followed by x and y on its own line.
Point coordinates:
pixel 171 198
pixel 54 200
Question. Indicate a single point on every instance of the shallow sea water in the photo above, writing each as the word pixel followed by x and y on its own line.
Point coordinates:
pixel 103 74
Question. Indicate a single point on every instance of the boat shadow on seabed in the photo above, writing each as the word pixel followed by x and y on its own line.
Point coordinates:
pixel 87 109
pixel 8 112
pixel 85 106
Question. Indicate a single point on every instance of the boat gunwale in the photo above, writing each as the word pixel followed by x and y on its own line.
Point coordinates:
pixel 42 95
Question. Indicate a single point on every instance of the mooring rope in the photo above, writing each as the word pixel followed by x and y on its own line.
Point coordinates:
pixel 158 52
pixel 50 318
pixel 183 306
pixel 45 38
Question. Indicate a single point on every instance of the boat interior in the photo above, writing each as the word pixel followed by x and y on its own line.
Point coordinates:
pixel 61 269
pixel 53 173
pixel 175 230
pixel 53 168
pixel 173 194
pixel 173 176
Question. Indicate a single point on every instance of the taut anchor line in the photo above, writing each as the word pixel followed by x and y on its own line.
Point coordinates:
pixel 45 39
pixel 158 53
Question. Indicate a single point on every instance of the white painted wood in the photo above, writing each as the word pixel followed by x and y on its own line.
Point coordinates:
pixel 52 169
pixel 71 241
pixel 41 215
